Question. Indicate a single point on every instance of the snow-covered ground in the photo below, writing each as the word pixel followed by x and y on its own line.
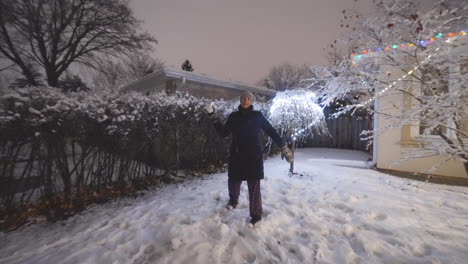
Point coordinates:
pixel 338 211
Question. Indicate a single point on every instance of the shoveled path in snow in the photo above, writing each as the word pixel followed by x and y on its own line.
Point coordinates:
pixel 338 211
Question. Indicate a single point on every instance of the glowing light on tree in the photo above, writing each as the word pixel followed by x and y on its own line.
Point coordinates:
pixel 297 114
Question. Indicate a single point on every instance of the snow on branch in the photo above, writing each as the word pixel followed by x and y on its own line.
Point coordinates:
pixel 420 57
pixel 297 114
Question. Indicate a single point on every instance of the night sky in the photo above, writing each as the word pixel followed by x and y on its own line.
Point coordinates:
pixel 239 40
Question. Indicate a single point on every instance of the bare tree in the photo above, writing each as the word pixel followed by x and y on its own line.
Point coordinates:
pixel 114 73
pixel 286 76
pixel 337 53
pixel 4 68
pixel 53 34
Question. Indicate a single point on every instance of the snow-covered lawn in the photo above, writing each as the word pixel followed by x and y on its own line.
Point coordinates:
pixel 339 211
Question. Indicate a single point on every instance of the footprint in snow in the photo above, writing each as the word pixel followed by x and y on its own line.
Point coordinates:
pixel 340 220
pixel 394 242
pixel 343 207
pixel 379 217
pixel 358 246
pixel 352 199
pixel 143 254
pixel 187 221
pixel 421 250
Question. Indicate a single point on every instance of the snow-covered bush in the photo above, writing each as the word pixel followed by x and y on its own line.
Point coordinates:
pixel 27 111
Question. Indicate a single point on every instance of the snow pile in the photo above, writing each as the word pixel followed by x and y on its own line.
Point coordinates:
pixel 335 211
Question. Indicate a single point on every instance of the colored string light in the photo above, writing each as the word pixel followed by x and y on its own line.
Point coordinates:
pixel 405 75
pixel 423 43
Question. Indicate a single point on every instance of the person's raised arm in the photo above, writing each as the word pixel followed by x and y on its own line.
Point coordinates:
pixel 223 130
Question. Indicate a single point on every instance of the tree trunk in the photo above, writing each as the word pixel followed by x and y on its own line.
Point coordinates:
pixel 53 78
pixel 28 75
pixel 293 149
pixel 465 163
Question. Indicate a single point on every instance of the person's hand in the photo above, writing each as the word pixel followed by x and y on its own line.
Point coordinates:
pixel 210 108
pixel 286 153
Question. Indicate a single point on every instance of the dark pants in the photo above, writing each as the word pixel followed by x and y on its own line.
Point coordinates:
pixel 255 197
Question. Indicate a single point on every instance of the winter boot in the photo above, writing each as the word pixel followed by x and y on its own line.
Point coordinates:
pixel 232 204
pixel 255 221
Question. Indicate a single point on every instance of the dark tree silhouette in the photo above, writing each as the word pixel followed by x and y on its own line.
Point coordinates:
pixel 286 76
pixel 51 35
pixel 187 66
pixel 72 83
pixel 113 74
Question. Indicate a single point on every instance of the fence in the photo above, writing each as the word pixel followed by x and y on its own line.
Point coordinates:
pixel 344 133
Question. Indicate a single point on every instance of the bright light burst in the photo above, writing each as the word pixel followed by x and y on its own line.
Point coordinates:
pixel 296 114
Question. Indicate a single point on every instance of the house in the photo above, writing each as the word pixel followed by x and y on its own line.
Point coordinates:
pixel 391 144
pixel 170 81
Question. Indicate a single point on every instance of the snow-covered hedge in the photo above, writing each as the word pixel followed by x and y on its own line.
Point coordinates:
pixel 42 109
pixel 61 144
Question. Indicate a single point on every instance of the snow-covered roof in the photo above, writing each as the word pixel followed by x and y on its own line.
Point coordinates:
pixel 185 76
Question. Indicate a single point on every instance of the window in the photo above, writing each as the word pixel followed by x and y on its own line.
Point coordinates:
pixel 464 75
pixel 464 66
pixel 435 82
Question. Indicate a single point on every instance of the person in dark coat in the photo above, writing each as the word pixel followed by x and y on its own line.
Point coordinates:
pixel 246 152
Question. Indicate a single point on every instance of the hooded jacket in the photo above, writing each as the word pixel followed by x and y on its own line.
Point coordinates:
pixel 246 152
